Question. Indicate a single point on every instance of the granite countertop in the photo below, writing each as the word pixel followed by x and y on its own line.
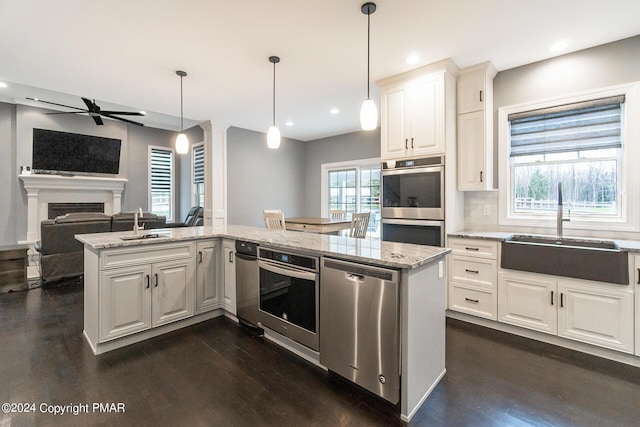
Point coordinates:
pixel 369 251
pixel 625 245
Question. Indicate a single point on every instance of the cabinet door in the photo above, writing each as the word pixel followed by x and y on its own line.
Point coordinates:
pixel 207 276
pixel 426 117
pixel 125 301
pixel 172 285
pixel 471 92
pixel 471 152
pixel 229 282
pixel 528 302
pixel 596 315
pixel 393 137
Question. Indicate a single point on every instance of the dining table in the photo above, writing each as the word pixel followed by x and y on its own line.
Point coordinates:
pixel 317 224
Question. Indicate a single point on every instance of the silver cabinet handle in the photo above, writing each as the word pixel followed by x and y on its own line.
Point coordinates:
pixel 231 257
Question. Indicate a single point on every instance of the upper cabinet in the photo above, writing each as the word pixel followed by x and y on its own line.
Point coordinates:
pixel 475 127
pixel 414 111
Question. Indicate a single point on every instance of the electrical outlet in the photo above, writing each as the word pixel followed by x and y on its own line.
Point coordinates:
pixel 486 210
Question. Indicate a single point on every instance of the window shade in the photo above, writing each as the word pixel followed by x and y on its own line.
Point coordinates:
pixel 587 125
pixel 198 164
pixel 161 167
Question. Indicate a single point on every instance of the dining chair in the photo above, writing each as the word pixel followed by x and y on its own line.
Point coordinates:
pixel 337 214
pixel 359 224
pixel 273 219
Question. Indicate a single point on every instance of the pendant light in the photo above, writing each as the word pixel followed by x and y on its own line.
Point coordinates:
pixel 182 142
pixel 368 111
pixel 273 136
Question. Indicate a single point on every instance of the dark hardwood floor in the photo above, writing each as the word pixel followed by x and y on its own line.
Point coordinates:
pixel 218 374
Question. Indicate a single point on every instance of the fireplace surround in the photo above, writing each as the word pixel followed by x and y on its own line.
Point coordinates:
pixel 45 189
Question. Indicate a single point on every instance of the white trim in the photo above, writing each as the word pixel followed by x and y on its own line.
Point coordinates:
pixel 629 192
pixel 325 168
pixel 172 208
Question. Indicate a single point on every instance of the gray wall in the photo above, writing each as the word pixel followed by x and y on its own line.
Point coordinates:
pixel 9 190
pixel 261 178
pixel 351 146
pixel 183 203
pixel 607 65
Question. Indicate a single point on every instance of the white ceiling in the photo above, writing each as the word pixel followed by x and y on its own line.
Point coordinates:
pixel 125 53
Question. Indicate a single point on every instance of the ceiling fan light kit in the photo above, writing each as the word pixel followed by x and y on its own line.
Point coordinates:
pixel 368 111
pixel 273 135
pixel 182 142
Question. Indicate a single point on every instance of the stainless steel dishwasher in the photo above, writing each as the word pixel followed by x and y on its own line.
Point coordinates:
pixel 247 283
pixel 359 325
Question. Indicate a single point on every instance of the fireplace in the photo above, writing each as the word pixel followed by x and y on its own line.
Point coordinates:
pixel 69 191
pixel 58 209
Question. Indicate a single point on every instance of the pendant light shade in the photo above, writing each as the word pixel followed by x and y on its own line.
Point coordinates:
pixel 273 136
pixel 368 111
pixel 182 142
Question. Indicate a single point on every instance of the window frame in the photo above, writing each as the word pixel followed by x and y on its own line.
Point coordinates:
pixel 629 188
pixel 194 187
pixel 172 198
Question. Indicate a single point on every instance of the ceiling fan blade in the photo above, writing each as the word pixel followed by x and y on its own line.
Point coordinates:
pixel 97 119
pixel 122 113
pixel 67 112
pixel 121 119
pixel 91 105
pixel 59 105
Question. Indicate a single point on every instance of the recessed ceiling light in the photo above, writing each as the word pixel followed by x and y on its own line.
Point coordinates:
pixel 334 111
pixel 412 59
pixel 3 84
pixel 289 124
pixel 558 46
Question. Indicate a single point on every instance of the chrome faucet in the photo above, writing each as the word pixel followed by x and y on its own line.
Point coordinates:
pixel 560 213
pixel 136 226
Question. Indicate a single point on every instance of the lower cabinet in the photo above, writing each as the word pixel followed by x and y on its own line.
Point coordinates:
pixel 596 313
pixel 229 282
pixel 141 297
pixel 207 275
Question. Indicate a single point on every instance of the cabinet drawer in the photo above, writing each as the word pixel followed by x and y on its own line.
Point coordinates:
pixel 475 301
pixel 474 248
pixel 474 271
pixel 136 255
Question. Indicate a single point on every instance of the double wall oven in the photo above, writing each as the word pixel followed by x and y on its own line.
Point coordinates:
pixel 289 291
pixel 413 201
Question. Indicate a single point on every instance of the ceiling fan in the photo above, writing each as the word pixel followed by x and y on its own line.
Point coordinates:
pixel 95 112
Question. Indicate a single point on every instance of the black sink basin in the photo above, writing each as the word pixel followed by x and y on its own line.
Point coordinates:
pixel 598 260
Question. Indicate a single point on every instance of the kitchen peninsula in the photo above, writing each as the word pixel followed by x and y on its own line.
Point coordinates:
pixel 128 299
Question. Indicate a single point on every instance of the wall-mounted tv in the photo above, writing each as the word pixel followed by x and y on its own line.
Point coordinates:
pixel 72 152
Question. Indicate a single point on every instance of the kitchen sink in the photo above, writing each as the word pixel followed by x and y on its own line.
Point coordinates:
pixel 599 260
pixel 143 236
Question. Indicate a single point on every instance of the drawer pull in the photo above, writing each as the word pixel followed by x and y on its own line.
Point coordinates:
pixel 406 143
pixel 231 257
pixel 472 249
pixel 475 301
pixel 471 271
pixel 156 277
pixel 551 297
pixel 561 299
pixel 148 281
pixel 200 257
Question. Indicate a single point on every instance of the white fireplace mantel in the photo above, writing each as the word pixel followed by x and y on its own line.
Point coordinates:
pixel 45 189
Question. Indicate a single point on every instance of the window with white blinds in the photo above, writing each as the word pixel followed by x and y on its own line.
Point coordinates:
pixel 198 175
pixel 161 181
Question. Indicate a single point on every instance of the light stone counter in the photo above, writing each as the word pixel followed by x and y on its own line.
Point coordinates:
pixel 370 251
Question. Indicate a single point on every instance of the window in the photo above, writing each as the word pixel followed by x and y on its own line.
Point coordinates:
pixel 582 143
pixel 354 187
pixel 161 181
pixel 198 175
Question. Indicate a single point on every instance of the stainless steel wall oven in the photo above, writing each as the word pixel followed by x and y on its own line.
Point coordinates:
pixel 289 288
pixel 413 201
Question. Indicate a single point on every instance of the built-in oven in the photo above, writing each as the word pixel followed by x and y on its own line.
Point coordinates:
pixel 413 189
pixel 289 290
pixel 416 231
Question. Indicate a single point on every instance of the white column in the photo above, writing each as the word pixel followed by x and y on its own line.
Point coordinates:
pixel 215 205
pixel 33 221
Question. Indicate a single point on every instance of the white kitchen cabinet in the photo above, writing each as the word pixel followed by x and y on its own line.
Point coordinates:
pixel 172 291
pixel 413 116
pixel 599 314
pixel 229 282
pixel 528 300
pixel 596 313
pixel 207 276
pixel 472 287
pixel 475 128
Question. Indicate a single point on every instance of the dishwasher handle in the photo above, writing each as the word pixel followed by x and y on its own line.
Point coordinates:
pixel 353 270
pixel 246 257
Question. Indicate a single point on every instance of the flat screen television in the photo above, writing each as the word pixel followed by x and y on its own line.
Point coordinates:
pixel 72 152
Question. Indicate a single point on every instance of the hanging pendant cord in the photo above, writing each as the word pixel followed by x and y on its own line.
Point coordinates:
pixel 368 48
pixel 181 115
pixel 274 94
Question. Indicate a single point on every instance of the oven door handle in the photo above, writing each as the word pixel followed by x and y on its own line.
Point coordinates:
pixel 304 275
pixel 420 222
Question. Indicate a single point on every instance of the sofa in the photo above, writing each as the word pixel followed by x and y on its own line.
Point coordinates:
pixel 61 255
